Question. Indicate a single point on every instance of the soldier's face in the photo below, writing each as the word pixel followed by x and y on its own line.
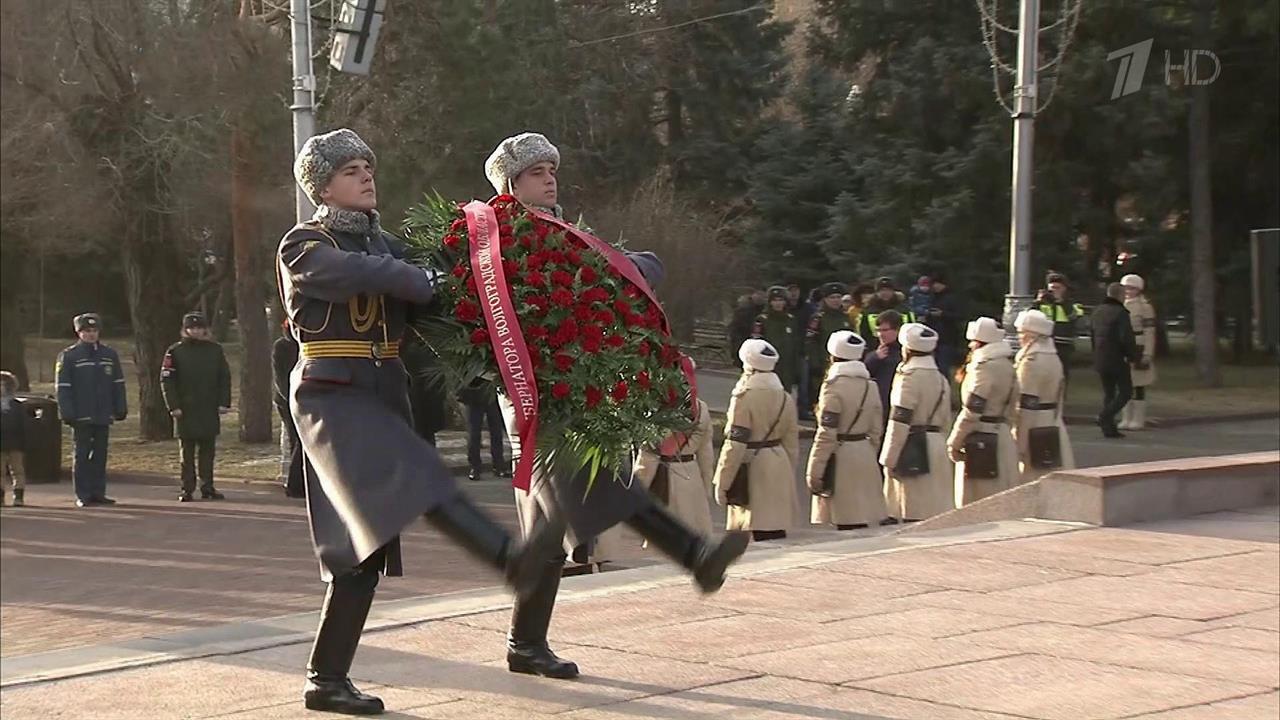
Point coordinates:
pixel 1058 289
pixel 833 301
pixel 199 333
pixel 778 304
pixel 1131 292
pixel 352 187
pixel 885 294
pixel 537 186
pixel 90 335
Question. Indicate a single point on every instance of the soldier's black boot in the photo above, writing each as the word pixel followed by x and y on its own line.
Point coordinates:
pixel 346 606
pixel 675 540
pixel 18 494
pixel 527 649
pixel 522 565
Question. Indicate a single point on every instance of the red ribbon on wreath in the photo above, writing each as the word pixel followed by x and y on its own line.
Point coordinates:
pixel 505 335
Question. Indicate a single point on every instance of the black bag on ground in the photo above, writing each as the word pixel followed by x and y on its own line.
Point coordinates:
pixel 981 461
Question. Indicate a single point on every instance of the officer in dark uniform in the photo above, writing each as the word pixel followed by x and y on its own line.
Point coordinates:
pixel 284 355
pixel 776 325
pixel 196 382
pixel 830 317
pixel 90 398
pixel 347 294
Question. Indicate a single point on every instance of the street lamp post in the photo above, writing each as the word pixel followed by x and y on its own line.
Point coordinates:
pixel 1024 111
pixel 304 86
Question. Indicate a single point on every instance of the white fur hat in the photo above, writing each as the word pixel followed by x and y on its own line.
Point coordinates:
pixel 517 154
pixel 846 345
pixel 918 338
pixel 758 355
pixel 1133 281
pixel 984 330
pixel 1034 321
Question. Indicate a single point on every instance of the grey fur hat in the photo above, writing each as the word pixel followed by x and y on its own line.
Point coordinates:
pixel 517 154
pixel 322 155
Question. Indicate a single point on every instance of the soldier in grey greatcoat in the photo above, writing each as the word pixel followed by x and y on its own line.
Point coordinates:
pixel 347 293
pixel 525 166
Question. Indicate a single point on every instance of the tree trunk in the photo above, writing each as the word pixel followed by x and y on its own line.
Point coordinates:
pixel 1203 275
pixel 248 248
pixel 152 271
pixel 13 356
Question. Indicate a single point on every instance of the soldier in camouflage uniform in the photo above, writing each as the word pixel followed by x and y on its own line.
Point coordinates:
pixel 831 317
pixel 776 325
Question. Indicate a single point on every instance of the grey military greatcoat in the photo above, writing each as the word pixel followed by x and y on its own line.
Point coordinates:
pixel 347 297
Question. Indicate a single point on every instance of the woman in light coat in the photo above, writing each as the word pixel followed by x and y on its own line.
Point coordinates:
pixel 849 430
pixel 988 404
pixel 1143 372
pixel 691 465
pixel 761 429
pixel 1040 384
pixel 920 402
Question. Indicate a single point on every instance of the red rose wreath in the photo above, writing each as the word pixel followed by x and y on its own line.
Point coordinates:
pixel 562 322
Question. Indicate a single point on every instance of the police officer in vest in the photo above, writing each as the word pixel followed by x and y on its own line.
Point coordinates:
pixel 1057 304
pixel 887 298
pixel 90 398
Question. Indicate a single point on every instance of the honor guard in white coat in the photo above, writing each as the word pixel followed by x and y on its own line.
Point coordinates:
pixel 843 474
pixel 1142 371
pixel 1043 444
pixel 680 470
pixel 981 442
pixel 755 477
pixel 919 478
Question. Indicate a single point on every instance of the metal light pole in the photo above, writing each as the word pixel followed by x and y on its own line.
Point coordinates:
pixel 1024 111
pixel 304 86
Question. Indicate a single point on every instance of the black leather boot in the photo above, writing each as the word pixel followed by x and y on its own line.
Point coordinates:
pixel 346 606
pixel 527 649
pixel 675 540
pixel 523 566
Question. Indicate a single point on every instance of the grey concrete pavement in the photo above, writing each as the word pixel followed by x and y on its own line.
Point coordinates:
pixel 1165 621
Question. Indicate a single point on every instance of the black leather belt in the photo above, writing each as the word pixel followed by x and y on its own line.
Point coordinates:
pixel 855 437
pixel 991 419
pixel 926 428
pixel 678 458
pixel 763 444
pixel 1036 405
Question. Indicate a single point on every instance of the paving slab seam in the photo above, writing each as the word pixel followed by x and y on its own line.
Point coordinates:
pixel 391 615
pixel 1233 698
pixel 854 684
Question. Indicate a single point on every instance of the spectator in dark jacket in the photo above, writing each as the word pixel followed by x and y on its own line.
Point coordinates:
pixel 744 316
pixel 1114 348
pixel 883 363
pixel 945 317
pixel 11 444
pixel 284 355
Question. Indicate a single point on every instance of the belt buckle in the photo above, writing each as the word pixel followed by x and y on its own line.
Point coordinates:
pixel 375 349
